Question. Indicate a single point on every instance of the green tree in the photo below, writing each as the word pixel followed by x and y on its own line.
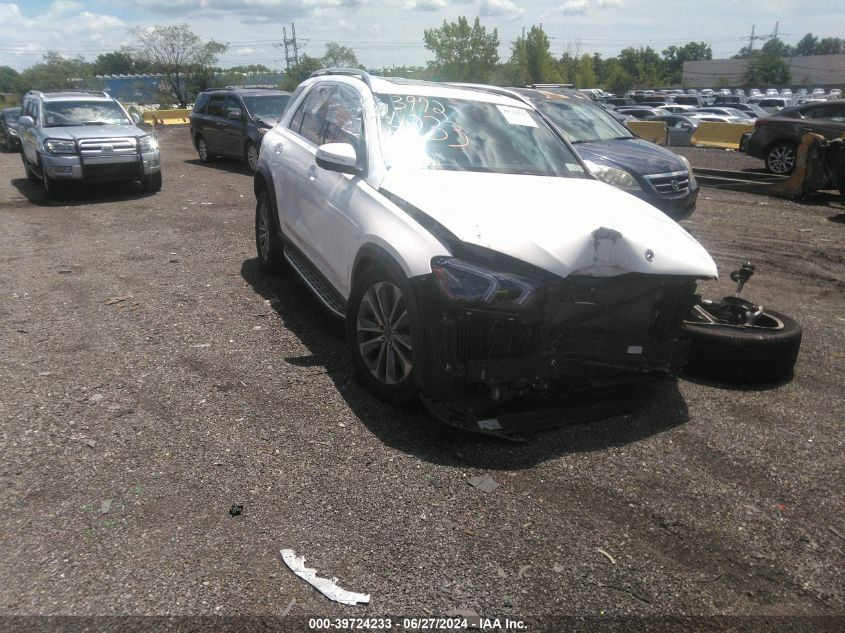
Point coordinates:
pixel 58 73
pixel 618 80
pixel 533 53
pixel 185 61
pixel 830 46
pixel 766 69
pixel 120 62
pixel 8 79
pixel 675 56
pixel 585 77
pixel 251 69
pixel 462 53
pixel 807 45
pixel 301 71
pixel 777 48
pixel 338 56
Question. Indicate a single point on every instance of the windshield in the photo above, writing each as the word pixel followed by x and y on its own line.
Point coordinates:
pixel 465 135
pixel 581 121
pixel 64 113
pixel 11 114
pixel 268 106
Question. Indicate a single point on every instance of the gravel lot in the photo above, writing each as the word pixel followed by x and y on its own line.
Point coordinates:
pixel 151 377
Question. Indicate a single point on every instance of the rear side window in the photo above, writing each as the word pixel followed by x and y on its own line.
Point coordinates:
pixel 827 112
pixel 217 106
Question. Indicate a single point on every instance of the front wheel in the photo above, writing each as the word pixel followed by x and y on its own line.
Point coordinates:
pixel 152 182
pixel 725 349
pixel 268 243
pixel 380 338
pixel 202 150
pixel 781 157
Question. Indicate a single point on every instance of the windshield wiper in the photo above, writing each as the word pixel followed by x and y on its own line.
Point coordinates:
pixel 95 123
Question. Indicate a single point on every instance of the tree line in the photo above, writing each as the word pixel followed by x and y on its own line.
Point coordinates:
pixel 462 52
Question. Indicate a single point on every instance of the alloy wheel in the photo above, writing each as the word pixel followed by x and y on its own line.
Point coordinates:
pixel 384 333
pixel 252 156
pixel 781 160
pixel 263 230
pixel 202 149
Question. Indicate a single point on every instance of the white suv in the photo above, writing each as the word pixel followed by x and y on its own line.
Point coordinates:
pixel 472 255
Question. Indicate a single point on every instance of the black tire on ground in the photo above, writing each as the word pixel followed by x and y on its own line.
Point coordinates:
pixel 251 155
pixel 268 241
pixel 202 150
pixel 30 176
pixel 781 157
pixel 152 182
pixel 52 189
pixel 742 355
pixel 403 392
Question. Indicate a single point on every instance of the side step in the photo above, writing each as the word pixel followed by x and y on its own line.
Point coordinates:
pixel 327 295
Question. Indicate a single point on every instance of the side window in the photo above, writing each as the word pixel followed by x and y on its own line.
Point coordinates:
pixel 200 105
pixel 315 109
pixel 216 107
pixel 344 123
pixel 232 102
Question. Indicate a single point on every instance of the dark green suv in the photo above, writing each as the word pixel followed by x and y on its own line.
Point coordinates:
pixel 232 121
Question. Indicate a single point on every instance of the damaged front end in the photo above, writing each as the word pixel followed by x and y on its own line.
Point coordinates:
pixel 496 337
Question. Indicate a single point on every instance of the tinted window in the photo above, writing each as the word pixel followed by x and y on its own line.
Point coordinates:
pixel 232 103
pixel 217 106
pixel 828 112
pixel 465 135
pixel 202 102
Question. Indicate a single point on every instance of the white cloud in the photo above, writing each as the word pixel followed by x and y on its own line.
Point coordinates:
pixel 426 5
pixel 499 8
pixel 583 7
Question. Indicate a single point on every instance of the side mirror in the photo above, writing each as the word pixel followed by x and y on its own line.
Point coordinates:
pixel 136 118
pixel 25 121
pixel 338 157
pixel 235 114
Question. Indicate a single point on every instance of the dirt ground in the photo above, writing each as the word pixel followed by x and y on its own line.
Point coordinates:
pixel 151 377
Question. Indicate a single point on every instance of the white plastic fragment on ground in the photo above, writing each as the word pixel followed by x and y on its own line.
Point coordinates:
pixel 325 586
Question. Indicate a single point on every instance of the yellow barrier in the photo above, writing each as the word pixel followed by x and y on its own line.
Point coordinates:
pixel 167 117
pixel 719 134
pixel 654 131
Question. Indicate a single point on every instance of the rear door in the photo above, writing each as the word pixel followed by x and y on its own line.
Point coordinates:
pixel 213 121
pixel 828 119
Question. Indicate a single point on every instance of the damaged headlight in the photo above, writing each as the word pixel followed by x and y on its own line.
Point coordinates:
pixel 58 146
pixel 619 178
pixel 462 281
pixel 147 144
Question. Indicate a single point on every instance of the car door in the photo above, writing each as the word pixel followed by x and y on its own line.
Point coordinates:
pixel 233 130
pixel 29 144
pixel 212 124
pixel 828 119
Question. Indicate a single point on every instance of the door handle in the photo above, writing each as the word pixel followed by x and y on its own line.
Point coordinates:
pixel 312 173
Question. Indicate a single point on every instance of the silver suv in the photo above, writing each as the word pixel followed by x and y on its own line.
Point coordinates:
pixel 472 255
pixel 84 136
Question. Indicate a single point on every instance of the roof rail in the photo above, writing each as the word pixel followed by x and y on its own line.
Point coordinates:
pixel 363 75
pixel 550 86
pixel 496 90
pixel 99 93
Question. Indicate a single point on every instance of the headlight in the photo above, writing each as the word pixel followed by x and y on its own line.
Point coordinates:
pixel 686 162
pixel 56 146
pixel 13 131
pixel 462 281
pixel 147 144
pixel 263 130
pixel 614 176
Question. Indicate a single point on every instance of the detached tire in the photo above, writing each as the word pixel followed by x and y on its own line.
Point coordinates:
pixel 379 336
pixel 743 355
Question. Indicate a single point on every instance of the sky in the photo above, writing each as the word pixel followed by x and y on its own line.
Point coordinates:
pixel 384 33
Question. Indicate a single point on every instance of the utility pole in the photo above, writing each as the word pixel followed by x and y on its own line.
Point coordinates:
pixel 751 39
pixel 290 44
pixel 777 24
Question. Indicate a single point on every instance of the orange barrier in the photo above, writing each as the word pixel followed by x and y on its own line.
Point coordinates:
pixel 654 131
pixel 719 134
pixel 167 117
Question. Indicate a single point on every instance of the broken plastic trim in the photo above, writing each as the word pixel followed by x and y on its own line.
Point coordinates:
pixel 325 586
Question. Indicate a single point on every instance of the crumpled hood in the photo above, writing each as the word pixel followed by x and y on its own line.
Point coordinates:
pixel 567 226
pixel 636 155
pixel 74 132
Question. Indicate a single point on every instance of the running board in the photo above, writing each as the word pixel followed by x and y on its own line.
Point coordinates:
pixel 327 295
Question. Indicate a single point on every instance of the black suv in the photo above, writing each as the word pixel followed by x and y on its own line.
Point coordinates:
pixel 232 121
pixel 775 138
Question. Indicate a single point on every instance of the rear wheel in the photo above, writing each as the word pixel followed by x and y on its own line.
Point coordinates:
pixel 268 243
pixel 780 158
pixel 251 156
pixel 379 336
pixel 202 150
